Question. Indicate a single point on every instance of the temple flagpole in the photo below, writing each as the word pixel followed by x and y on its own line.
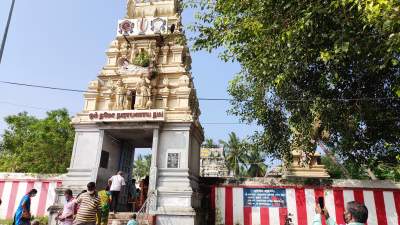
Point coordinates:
pixel 3 43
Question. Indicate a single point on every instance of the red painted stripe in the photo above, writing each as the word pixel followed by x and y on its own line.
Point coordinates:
pixel 358 196
pixel 29 186
pixel 264 214
pixel 2 183
pixel 283 214
pixel 339 206
pixel 228 206
pixel 11 202
pixel 213 199
pixel 320 193
pixel 396 195
pixel 380 208
pixel 301 207
pixel 247 216
pixel 42 198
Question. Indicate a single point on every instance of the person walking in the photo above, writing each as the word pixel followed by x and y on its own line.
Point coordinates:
pixel 116 182
pixel 89 207
pixel 66 216
pixel 355 214
pixel 23 214
pixel 105 201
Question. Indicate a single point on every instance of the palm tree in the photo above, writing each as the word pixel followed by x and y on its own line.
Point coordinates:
pixel 255 161
pixel 209 143
pixel 234 154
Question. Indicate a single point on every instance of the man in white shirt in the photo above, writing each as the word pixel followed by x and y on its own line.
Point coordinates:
pixel 116 183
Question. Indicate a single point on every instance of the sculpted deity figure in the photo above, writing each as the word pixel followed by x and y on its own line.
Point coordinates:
pixel 143 99
pixel 128 100
pixel 120 93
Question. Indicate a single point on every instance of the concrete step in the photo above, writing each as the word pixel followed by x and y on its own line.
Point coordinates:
pixel 122 218
pixel 121 215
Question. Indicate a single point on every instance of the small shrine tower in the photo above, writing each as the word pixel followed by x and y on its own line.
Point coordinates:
pixel 144 97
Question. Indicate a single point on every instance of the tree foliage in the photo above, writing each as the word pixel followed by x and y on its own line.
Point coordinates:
pixel 312 71
pixel 242 158
pixel 141 167
pixel 383 170
pixel 33 145
pixel 209 143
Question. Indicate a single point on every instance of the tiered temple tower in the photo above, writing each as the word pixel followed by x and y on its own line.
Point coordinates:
pixel 144 97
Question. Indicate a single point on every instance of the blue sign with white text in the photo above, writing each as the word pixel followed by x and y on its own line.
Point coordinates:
pixel 264 197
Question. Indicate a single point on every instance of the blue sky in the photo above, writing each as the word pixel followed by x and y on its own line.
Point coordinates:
pixel 62 44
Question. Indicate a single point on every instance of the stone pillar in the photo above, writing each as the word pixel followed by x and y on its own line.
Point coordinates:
pixel 85 156
pixel 177 180
pixel 153 169
pixel 84 164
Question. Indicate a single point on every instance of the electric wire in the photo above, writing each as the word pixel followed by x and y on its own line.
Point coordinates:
pixel 210 99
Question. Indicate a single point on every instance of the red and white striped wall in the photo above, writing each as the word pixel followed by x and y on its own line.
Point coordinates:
pixel 14 186
pixel 383 205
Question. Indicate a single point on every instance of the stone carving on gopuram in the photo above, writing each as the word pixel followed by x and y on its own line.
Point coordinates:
pixel 148 66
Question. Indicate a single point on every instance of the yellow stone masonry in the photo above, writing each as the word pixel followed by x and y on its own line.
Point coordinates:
pixel 147 67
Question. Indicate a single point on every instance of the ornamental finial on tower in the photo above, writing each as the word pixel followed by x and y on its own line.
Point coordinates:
pixel 155 8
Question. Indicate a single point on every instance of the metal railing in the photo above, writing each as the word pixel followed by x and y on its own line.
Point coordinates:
pixel 143 214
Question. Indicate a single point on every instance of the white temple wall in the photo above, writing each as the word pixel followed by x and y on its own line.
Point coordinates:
pixel 195 156
pixel 113 147
pixel 88 144
pixel 173 141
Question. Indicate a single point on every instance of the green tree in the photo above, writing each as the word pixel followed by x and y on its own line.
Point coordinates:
pixel 35 145
pixel 355 171
pixel 254 161
pixel 209 143
pixel 234 154
pixel 312 71
pixel 141 167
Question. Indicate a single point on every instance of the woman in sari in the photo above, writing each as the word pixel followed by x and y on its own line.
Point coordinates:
pixel 23 214
pixel 105 202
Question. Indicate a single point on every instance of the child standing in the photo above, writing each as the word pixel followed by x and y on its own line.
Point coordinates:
pixel 133 220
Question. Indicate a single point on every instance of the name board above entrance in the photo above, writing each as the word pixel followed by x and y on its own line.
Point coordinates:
pixel 128 115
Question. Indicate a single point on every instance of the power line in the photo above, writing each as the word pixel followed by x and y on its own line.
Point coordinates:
pixel 43 87
pixel 83 91
pixel 211 99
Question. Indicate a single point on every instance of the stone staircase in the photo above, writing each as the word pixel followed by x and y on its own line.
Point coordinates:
pixel 122 218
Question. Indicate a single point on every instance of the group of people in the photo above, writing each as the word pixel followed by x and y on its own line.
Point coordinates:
pixel 90 207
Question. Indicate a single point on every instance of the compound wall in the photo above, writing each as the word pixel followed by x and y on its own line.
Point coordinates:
pixel 13 186
pixel 274 204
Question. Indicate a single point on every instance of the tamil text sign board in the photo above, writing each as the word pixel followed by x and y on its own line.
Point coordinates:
pixel 264 197
pixel 128 115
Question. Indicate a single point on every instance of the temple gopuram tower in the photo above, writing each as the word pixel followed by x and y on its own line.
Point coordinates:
pixel 144 97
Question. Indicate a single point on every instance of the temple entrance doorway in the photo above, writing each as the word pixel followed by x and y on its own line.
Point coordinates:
pixel 120 149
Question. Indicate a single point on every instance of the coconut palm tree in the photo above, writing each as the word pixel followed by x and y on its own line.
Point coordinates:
pixel 234 154
pixel 255 163
pixel 209 143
